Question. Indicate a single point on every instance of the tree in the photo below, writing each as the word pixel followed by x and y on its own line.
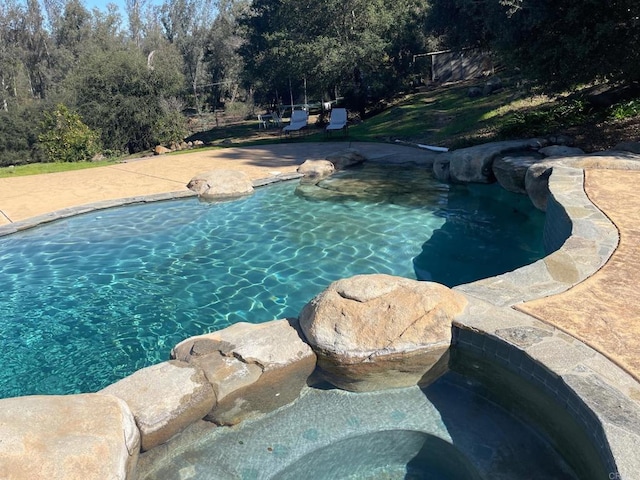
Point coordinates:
pixel 35 42
pixel 18 137
pixel 9 58
pixel 65 138
pixel 119 94
pixel 72 31
pixel 24 52
pixel 354 47
pixel 557 43
pixel 134 9
pixel 222 58
pixel 185 24
pixel 73 28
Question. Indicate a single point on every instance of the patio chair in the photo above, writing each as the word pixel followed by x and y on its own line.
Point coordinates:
pixel 262 121
pixel 297 123
pixel 337 121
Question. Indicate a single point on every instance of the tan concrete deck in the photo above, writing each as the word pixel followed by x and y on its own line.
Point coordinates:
pixel 602 311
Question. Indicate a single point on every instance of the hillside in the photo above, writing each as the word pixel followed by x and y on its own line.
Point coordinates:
pixel 445 115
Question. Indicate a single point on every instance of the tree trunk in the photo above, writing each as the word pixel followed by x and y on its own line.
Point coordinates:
pixel 234 93
pixel 5 105
pixel 194 85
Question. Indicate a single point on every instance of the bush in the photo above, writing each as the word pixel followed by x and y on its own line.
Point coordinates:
pixel 66 139
pixel 18 138
pixel 544 120
pixel 626 110
pixel 171 125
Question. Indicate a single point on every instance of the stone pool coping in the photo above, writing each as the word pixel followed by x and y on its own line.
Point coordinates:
pixel 611 394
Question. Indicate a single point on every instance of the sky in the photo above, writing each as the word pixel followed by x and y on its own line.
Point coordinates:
pixel 102 4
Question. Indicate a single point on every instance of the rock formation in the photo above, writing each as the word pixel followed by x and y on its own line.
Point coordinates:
pixel 253 368
pixel 220 184
pixel 165 398
pixel 373 332
pixel 316 169
pixel 510 172
pixel 70 437
pixel 346 159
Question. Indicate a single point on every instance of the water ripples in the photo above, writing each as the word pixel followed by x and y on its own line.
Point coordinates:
pixel 90 299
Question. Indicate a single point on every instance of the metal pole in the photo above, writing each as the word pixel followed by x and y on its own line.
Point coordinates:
pixel 291 95
pixel 306 102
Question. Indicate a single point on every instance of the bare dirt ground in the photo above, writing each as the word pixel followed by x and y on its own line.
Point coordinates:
pixel 606 135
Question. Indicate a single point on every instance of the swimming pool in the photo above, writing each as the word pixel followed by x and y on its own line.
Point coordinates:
pixel 90 299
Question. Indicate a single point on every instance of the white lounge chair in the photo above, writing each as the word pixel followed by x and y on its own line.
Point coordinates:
pixel 298 122
pixel 337 120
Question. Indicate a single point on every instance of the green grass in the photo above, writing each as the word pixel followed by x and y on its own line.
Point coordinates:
pixel 38 168
pixel 446 117
pixel 626 110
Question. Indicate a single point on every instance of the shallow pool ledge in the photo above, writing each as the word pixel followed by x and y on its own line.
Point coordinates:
pixel 32 222
pixel 601 398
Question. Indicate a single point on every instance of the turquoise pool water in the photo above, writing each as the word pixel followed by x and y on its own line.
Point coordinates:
pixel 88 300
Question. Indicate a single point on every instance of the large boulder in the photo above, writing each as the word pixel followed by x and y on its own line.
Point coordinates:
pixel 316 169
pixel 161 150
pixel 494 84
pixel 441 166
pixel 373 332
pixel 474 164
pixel 253 368
pixel 474 92
pixel 220 184
pixel 511 171
pixel 559 139
pixel 470 165
pixel 165 399
pixel 560 151
pixel 71 437
pixel 633 147
pixel 346 159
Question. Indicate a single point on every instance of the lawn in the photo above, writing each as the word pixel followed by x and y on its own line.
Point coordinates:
pixel 37 168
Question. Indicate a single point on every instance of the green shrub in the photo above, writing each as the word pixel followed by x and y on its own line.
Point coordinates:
pixel 626 110
pixel 18 138
pixel 170 126
pixel 65 138
pixel 544 120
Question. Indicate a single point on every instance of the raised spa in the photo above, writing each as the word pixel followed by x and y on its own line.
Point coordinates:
pixel 479 421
